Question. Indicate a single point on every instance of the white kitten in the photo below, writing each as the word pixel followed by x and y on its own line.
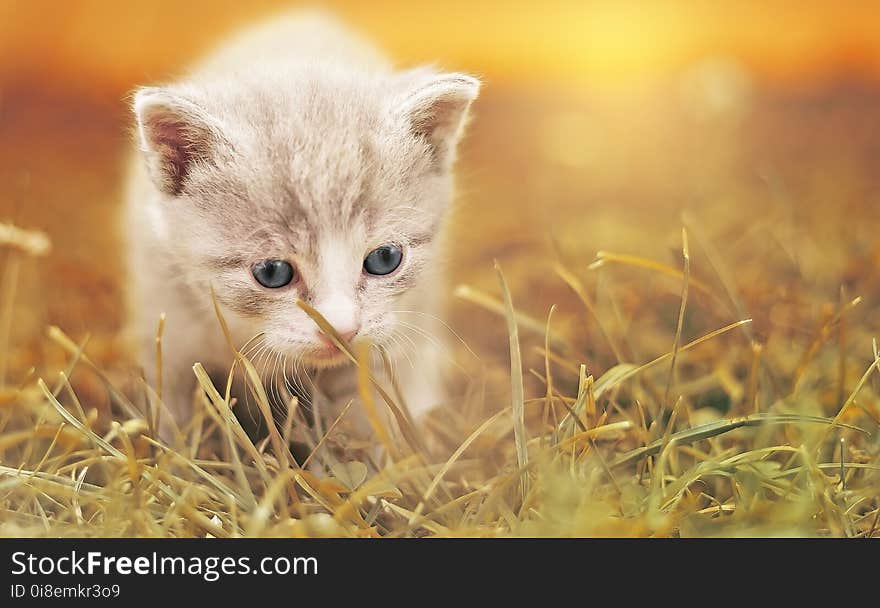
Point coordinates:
pixel 292 163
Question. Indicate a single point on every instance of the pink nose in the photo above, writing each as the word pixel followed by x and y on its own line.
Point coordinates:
pixel 347 336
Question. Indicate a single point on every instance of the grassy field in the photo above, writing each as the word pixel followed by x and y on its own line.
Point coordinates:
pixel 686 284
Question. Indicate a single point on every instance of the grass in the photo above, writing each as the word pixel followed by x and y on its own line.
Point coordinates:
pixel 722 432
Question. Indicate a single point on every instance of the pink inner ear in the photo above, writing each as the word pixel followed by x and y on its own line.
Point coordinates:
pixel 175 134
pixel 436 119
pixel 438 111
pixel 174 148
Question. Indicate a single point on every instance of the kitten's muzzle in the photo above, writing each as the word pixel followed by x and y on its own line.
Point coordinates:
pixel 329 345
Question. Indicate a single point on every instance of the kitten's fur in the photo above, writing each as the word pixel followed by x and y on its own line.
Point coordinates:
pixel 298 142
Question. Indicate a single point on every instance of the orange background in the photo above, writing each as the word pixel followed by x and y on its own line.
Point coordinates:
pixel 105 44
pixel 599 122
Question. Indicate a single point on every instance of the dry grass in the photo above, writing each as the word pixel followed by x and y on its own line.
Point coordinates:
pixel 723 431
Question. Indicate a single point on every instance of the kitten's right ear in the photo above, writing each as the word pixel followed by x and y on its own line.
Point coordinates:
pixel 174 135
pixel 437 109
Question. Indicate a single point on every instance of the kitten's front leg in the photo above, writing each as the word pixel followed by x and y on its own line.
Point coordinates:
pixel 421 359
pixel 422 384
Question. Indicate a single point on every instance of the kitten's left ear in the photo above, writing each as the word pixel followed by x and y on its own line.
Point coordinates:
pixel 437 110
pixel 175 134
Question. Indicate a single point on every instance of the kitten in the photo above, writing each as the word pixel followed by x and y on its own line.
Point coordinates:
pixel 293 163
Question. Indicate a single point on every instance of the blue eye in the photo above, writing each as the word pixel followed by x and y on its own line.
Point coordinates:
pixel 383 260
pixel 273 273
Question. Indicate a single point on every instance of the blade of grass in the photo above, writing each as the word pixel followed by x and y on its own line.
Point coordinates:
pixel 575 284
pixel 548 403
pixel 719 427
pixel 8 287
pixel 60 338
pixel 685 253
pixel 483 300
pixel 404 421
pixel 875 364
pixel 604 257
pixel 717 264
pixel 516 383
pixel 624 371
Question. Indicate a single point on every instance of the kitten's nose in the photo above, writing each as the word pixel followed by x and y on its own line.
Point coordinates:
pixel 339 310
pixel 347 336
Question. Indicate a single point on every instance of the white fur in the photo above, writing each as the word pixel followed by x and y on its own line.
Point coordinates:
pixel 295 141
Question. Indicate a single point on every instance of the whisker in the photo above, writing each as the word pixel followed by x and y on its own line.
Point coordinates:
pixel 400 346
pixel 435 342
pixel 254 351
pixel 308 377
pixel 404 336
pixel 287 384
pixel 444 324
pixel 277 399
pixel 387 357
pixel 441 346
pixel 255 339
pixel 299 372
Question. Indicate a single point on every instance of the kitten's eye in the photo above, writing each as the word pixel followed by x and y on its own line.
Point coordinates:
pixel 273 273
pixel 383 260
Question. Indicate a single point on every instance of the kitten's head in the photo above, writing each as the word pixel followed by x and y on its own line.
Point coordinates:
pixel 315 185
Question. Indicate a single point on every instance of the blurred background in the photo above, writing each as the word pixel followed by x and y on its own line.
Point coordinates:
pixel 600 123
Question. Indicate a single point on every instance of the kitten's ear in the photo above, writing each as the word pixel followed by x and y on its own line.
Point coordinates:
pixel 437 110
pixel 174 134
